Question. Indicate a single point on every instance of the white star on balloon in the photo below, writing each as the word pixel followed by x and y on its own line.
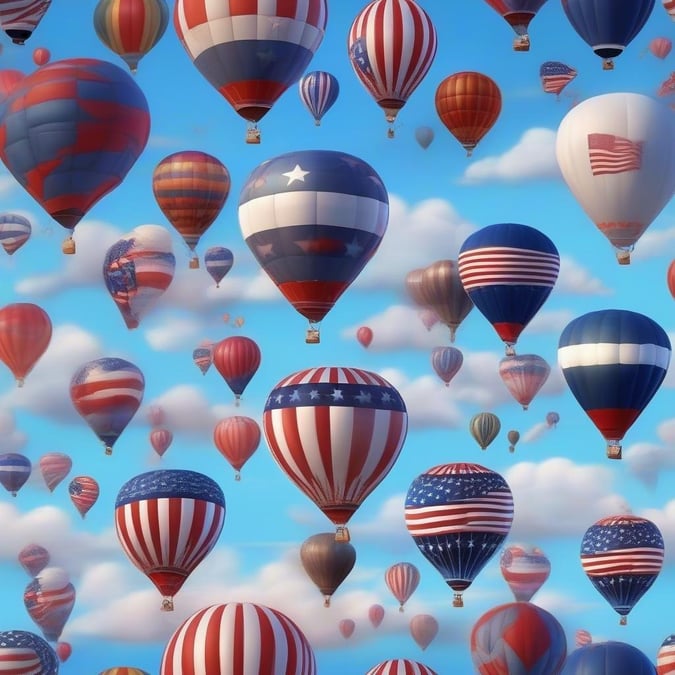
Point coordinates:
pixel 297 174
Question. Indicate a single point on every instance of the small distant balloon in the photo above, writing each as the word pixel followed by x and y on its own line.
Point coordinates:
pixel 41 55
pixel 375 615
pixel 402 580
pixel 346 627
pixel 218 261
pixel 555 76
pixel 15 470
pixel 660 47
pixel 484 428
pixel 54 467
pixel 446 361
pixel 15 230
pixel 49 599
pixel 203 356
pixel 161 439
pixel 33 558
pixel 552 419
pixel 318 92
pixel 513 437
pixel 365 336
pixel 424 136
pixel 423 628
pixel 83 491
pixel 63 651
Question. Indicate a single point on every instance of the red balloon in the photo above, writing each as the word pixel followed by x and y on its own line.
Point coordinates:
pixel 33 558
pixel 25 333
pixel 346 627
pixel 397 666
pixel 41 55
pixel 237 438
pixel 660 47
pixel 54 467
pixel 84 491
pixel 402 580
pixel 524 375
pixel 423 628
pixel 9 79
pixel 63 651
pixel 160 439
pixel 376 615
pixel 237 359
pixel 49 599
pixel 365 336
pixel 671 278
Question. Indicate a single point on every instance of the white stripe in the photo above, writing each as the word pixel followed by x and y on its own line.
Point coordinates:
pixel 609 353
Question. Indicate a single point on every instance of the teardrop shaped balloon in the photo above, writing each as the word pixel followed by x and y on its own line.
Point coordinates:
pixel 327 562
pixel 237 359
pixel 203 356
pixel 160 440
pixel 131 28
pixel 312 220
pixel 54 467
pixel 391 44
pixel 525 570
pixel 152 508
pixel 137 269
pixel 364 335
pixel 33 558
pixel 508 270
pixel 84 492
pixel 423 629
pixel 614 154
pixel 107 392
pixel 237 438
pixel 218 261
pixel 513 436
pixel 424 136
pixel 524 375
pixel 484 428
pixel 446 361
pixel 375 615
pixel 34 654
pixel 468 103
pixel 251 53
pixel 346 628
pixel 660 47
pixel 608 658
pixel 665 663
pixel 191 188
pixel 614 362
pixel 15 470
pixel 518 14
pixel 98 123
pixel 318 92
pixel 63 650
pixel 49 599
pixel 336 470
pixel 19 18
pixel 459 547
pixel 622 556
pixel 25 334
pixel 15 230
pixel 402 580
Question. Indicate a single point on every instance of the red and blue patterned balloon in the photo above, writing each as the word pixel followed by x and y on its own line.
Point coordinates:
pixel 318 92
pixel 218 261
pixel 15 470
pixel 28 649
pixel 665 657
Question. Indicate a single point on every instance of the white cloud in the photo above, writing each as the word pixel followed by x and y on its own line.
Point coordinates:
pixel 646 461
pixel 533 157
pixel 655 244
pixel 577 280
pixel 535 432
pixel 664 519
pixel 174 332
pixel 11 439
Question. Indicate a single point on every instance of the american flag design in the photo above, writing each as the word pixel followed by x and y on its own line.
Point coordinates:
pixel 313 219
pixel 25 653
pixel 401 667
pixel 203 358
pixel 123 670
pixel 609 153
pixel 555 76
pixel 54 467
pixel 33 558
pixel 336 432
pixel 524 375
pixel 318 91
pixel 622 556
pixel 49 599
pixel 242 638
pixel 19 18
pixel 508 270
pixel 107 392
pixel 15 230
pixel 665 657
pixel 402 580
pixel 458 515
pixel 83 491
pixel 525 570
pixel 391 44
pixel 15 470
pixel 167 522
pixel 287 32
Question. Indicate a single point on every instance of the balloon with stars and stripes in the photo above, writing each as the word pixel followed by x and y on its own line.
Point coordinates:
pixel 84 492
pixel 458 515
pixel 400 667
pixel 25 653
pixel 49 600
pixel 665 657
pixel 15 230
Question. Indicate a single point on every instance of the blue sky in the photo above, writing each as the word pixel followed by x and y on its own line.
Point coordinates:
pixel 560 478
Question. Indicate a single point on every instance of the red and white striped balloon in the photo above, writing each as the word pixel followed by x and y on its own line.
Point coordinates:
pixel 238 638
pixel 401 667
pixel 402 580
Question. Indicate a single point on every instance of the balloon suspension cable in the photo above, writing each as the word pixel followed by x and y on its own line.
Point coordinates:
pixel 607 64
pixel 623 256
pixel 342 533
pixel 614 449
pixel 326 600
pixel 167 605
pixel 312 336
pixel 457 600
pixel 510 349
pixel 253 135
pixel 237 475
pixel 623 621
pixel 194 262
pixel 68 245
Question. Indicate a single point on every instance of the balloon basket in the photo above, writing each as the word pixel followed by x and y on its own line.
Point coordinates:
pixel 512 448
pixel 390 133
pixel 510 350
pixel 623 621
pixel 194 263
pixel 312 336
pixel 108 450
pixel 253 136
pixel 68 246
pixel 167 605
pixel 614 450
pixel 457 600
pixel 608 64
pixel 19 382
pixel 237 476
pixel 521 44
pixel 317 123
pixel 623 257
pixel 326 601
pixel 342 534
pixel 400 608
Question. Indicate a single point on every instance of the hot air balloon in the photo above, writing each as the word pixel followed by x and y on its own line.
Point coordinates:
pixel 83 491
pixel 518 14
pixel 318 92
pixel 218 261
pixel 15 230
pixel 509 271
pixel 154 511
pixel 660 47
pixel 250 54
pixel 25 334
pixel 423 628
pixel 665 657
pixel 402 580
pixel 238 638
pixel 525 570
pixel 237 359
pixel 484 427
pixel 446 361
pixel 364 335
pixel 98 123
pixel 669 6
pixel 156 415
pixel 19 18
pixel 160 440
pixel 33 558
pixel 63 651
pixel 137 269
pixel 468 103
pixel 54 467
pixel 33 653
pixel 49 599
pixel 513 437
pixel 552 419
pixel 346 628
pixel 203 356
pixel 15 470
pixel 327 562
pixel 524 375
pixel 518 638
pixel 555 76
pixel 312 220
pixel 459 548
pixel 398 666
pixel 622 556
pixel 107 392
pixel 392 44
pixel 582 638
pixel 667 87
pixel 131 28
pixel 614 362
pixel 614 154
pixel 375 615
pixel 191 188
pixel 237 438
pixel 9 79
pixel 41 56
pixel 123 670
pixel 606 27
pixel 424 136
pixel 337 471
pixel 608 658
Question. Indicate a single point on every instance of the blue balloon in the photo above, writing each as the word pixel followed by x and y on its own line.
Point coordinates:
pixel 608 658
pixel 218 261
pixel 318 92
pixel 15 470
pixel 19 640
pixel 606 25
pixel 614 361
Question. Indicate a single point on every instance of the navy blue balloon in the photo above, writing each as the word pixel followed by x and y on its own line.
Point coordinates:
pixel 23 639
pixel 608 658
pixel 218 261
pixel 608 26
pixel 318 92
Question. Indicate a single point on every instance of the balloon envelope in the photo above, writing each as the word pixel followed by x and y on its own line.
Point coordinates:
pixel 54 467
pixel 525 570
pixel 555 76
pixel 446 361
pixel 33 652
pixel 346 628
pixel 19 18
pixel 318 92
pixel 15 230
pixel 49 599
pixel 84 492
pixel 424 136
pixel 608 658
pixel 327 562
pixel 33 558
pixel 375 615
pixel 237 438
pixel 15 470
pixel 665 657
pixel 402 580
pixel 364 335
pixel 237 359
pixel 398 666
pixel 161 439
pixel 218 261
pixel 484 428
pixel 524 375
pixel 423 628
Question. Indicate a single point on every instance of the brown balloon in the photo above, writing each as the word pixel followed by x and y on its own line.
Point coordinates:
pixel 327 562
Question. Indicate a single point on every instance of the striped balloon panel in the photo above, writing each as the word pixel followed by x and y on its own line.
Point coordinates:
pixel 318 91
pixel 33 558
pixel 237 359
pixel 402 579
pixel 15 470
pixel 83 491
pixel 49 608
pixel 218 261
pixel 16 643
pixel 665 657
pixel 400 667
pixel 238 639
pixel 14 231
pixel 123 670
pixel 19 661
pixel 225 41
pixel 524 572
pixel 392 44
pixel 19 18
pixel 54 467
